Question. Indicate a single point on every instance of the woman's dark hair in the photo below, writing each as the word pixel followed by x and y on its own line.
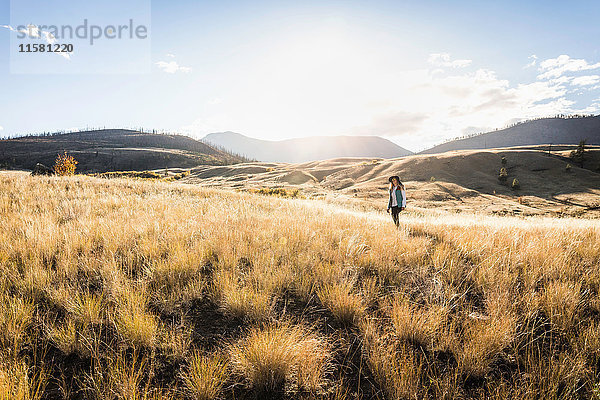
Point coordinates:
pixel 391 178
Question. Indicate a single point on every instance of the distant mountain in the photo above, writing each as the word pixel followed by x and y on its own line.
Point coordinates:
pixel 541 131
pixel 112 150
pixel 307 149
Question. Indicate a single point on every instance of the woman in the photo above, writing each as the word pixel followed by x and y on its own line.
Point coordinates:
pixel 397 201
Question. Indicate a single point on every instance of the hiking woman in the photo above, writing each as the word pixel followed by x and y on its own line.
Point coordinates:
pixel 397 200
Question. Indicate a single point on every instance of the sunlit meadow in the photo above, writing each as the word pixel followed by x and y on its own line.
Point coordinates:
pixel 134 289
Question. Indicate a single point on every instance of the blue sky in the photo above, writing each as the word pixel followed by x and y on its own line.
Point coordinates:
pixel 416 72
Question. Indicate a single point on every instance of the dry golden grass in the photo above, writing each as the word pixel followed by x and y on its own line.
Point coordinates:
pixel 148 289
pixel 345 305
pixel 281 357
pixel 17 382
pixel 205 376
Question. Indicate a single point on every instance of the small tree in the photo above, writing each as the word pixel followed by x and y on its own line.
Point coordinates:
pixel 578 155
pixel 568 168
pixel 516 185
pixel 65 164
pixel 503 175
pixel 503 161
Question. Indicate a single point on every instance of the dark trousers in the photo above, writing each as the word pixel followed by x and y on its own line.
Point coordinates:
pixel 395 211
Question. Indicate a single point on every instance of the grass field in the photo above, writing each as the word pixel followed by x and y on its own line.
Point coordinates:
pixel 132 289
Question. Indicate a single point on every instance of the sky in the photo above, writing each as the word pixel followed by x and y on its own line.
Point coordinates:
pixel 414 72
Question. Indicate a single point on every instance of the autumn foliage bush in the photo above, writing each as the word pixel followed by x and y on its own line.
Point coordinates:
pixel 65 165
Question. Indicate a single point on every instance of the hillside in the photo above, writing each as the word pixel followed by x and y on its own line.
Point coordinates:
pixel 112 150
pixel 454 181
pixel 542 131
pixel 307 149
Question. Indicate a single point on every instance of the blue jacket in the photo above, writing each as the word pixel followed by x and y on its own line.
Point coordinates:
pixel 400 197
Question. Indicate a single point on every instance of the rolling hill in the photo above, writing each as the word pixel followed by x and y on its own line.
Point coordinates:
pixel 542 131
pixel 112 150
pixel 307 149
pixel 465 180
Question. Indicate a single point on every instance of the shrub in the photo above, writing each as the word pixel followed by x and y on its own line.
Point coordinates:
pixel 578 155
pixel 65 165
pixel 279 192
pixel 503 160
pixel 516 185
pixel 503 175
pixel 568 168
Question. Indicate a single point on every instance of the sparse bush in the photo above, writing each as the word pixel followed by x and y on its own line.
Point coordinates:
pixel 568 168
pixel 126 376
pixel 279 192
pixel 65 165
pixel 516 185
pixel 503 175
pixel 503 160
pixel 578 155
pixel 131 174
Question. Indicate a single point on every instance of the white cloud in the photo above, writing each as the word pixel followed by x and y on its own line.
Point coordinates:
pixel 172 67
pixel 430 108
pixel 310 90
pixel 586 80
pixel 533 59
pixel 444 60
pixel 34 32
pixel 556 67
pixel 170 55
pixel 1 128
